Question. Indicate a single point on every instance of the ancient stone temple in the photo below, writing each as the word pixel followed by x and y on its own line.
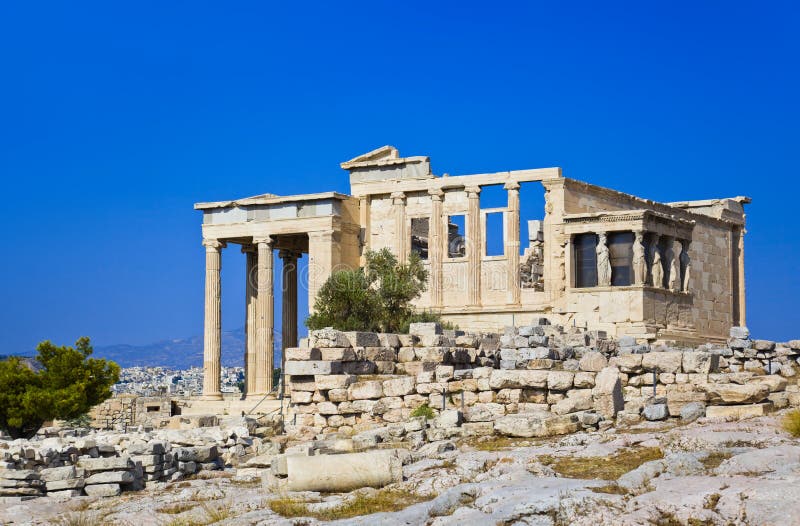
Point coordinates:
pixel 593 257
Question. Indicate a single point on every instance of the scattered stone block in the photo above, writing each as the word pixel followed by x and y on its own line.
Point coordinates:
pixel 312 367
pixel 739 412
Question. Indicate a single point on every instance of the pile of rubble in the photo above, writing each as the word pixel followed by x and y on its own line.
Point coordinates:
pixel 107 463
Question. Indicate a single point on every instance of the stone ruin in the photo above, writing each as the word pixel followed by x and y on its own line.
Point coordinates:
pixel 534 380
pixel 352 415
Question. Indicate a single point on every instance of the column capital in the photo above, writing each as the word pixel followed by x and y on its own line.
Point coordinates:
pixel 214 244
pixel 436 194
pixel 511 185
pixel 398 197
pixel 473 192
pixel 286 253
pixel 263 239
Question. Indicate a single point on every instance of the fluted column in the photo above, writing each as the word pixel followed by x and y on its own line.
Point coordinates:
pixel 212 333
pixel 250 318
pixel 289 310
pixel 264 318
pixel 474 245
pixel 399 208
pixel 512 242
pixel 435 247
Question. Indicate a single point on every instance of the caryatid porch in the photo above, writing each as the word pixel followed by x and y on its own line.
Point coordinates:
pixel 320 225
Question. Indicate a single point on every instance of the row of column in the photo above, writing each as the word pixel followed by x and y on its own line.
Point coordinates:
pixel 436 244
pixel 649 261
pixel 259 315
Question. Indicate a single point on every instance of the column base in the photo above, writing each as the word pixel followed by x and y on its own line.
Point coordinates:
pixel 211 397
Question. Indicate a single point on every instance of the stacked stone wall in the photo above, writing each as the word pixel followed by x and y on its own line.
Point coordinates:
pixel 347 383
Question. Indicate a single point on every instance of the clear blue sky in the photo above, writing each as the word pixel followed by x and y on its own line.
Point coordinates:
pixel 115 117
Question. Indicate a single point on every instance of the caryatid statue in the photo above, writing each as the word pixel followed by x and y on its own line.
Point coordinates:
pixel 603 263
pixel 673 255
pixel 686 263
pixel 656 270
pixel 639 259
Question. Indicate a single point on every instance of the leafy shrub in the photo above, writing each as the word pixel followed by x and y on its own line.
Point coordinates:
pixel 791 423
pixel 423 410
pixel 375 298
pixel 68 384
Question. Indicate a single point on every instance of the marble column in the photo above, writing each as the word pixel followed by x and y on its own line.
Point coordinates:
pixel 686 267
pixel 250 318
pixel 474 246
pixel 212 333
pixel 436 247
pixel 264 317
pixel 656 268
pixel 673 263
pixel 603 261
pixel 289 310
pixel 512 242
pixel 639 259
pixel 324 255
pixel 399 209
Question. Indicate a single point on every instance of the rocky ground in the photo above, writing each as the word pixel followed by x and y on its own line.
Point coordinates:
pixel 704 473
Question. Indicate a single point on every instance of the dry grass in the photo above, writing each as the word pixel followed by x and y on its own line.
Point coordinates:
pixel 176 508
pixel 713 460
pixel 384 500
pixel 711 501
pixel 81 518
pixel 605 468
pixel 497 443
pixel 612 488
pixel 216 514
pixel 791 423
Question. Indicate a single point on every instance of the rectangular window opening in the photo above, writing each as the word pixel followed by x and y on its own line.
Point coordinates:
pixel 585 258
pixel 495 239
pixel 620 249
pixel 419 236
pixel 456 240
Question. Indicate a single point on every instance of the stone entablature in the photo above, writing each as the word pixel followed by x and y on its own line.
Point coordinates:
pixel 594 256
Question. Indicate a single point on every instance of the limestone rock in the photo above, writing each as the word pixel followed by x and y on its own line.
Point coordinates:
pixel 312 367
pixel 663 362
pixel 692 411
pixel 736 394
pixel 371 389
pixel 501 379
pixel 593 362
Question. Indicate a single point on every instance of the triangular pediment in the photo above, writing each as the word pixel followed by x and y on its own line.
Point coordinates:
pixel 384 153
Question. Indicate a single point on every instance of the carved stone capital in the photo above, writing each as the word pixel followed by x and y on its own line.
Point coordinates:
pixel 263 239
pixel 436 194
pixel 398 198
pixel 473 192
pixel 511 185
pixel 214 244
pixel 289 255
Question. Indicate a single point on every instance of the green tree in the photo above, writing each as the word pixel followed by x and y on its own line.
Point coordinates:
pixel 66 386
pixel 376 297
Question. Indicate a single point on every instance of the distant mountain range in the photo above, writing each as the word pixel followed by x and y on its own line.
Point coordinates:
pixel 178 353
